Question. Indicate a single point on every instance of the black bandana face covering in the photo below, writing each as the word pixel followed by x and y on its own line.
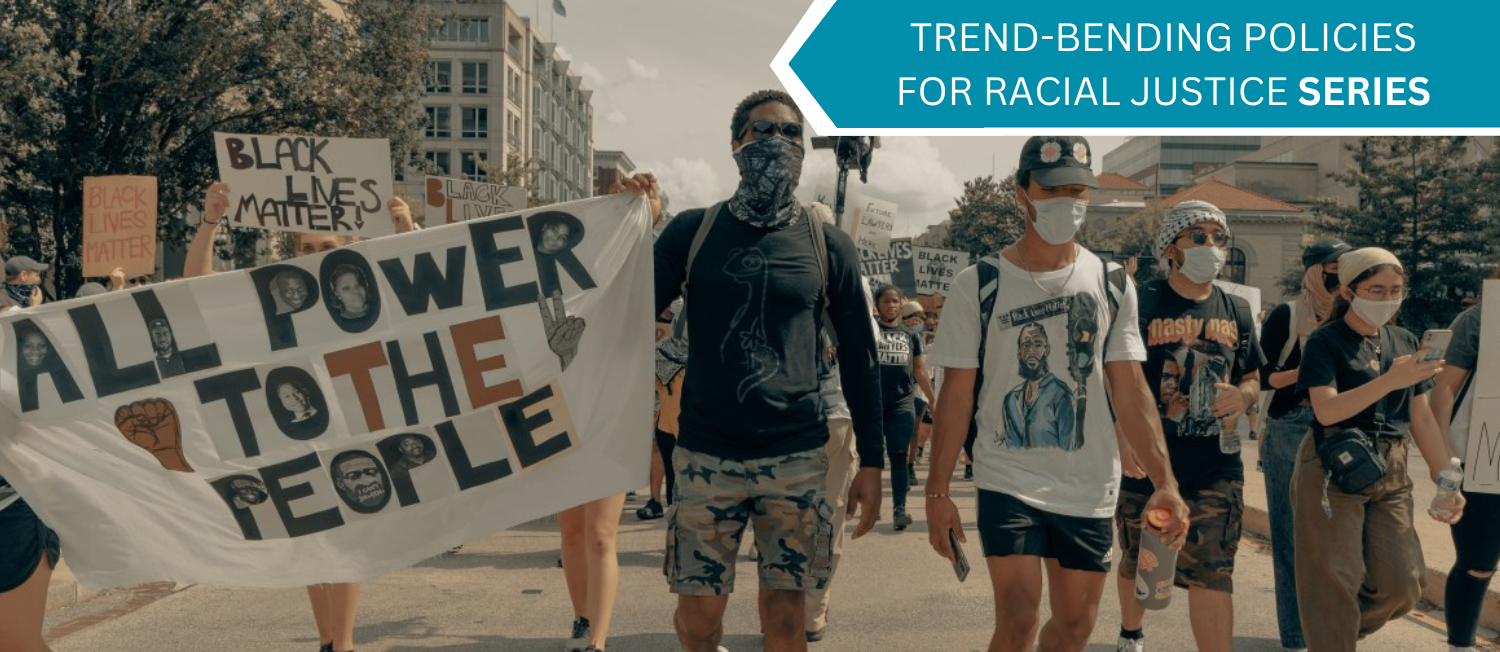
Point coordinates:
pixel 769 171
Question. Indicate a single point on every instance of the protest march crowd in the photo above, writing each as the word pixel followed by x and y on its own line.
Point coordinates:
pixel 1089 412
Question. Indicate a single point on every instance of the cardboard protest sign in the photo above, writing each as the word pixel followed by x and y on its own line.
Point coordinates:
pixel 334 417
pixel 119 225
pixel 871 223
pixel 459 200
pixel 307 183
pixel 893 265
pixel 1482 455
pixel 935 269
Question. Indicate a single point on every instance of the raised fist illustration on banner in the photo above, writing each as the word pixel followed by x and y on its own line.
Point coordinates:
pixel 152 425
pixel 563 332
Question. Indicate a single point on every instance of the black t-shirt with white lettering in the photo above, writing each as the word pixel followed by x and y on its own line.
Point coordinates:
pixel 1341 358
pixel 1191 346
pixel 898 348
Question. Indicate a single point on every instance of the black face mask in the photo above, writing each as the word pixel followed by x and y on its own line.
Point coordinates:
pixel 769 171
pixel 1330 281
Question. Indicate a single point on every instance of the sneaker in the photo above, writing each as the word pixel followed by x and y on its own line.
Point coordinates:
pixel 814 637
pixel 1130 645
pixel 327 647
pixel 650 512
pixel 901 520
pixel 580 638
pixel 1455 648
pixel 969 472
pixel 593 648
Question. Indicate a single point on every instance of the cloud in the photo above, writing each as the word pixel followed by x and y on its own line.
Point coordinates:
pixel 616 118
pixel 906 170
pixel 563 52
pixel 592 77
pixel 688 183
pixel 642 71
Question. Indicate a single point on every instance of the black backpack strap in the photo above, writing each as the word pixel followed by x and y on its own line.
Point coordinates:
pixel 703 228
pixel 1115 278
pixel 820 251
pixel 1243 324
pixel 989 290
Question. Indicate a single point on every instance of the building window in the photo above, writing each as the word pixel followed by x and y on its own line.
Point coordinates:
pixel 1234 268
pixel 473 163
pixel 513 89
pixel 476 122
pixel 463 30
pixel 513 45
pixel 513 128
pixel 439 122
pixel 442 162
pixel 476 78
pixel 440 77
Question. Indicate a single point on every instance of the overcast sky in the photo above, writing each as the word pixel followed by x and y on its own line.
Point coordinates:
pixel 665 90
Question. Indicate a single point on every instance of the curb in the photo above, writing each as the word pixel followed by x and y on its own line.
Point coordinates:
pixel 1258 522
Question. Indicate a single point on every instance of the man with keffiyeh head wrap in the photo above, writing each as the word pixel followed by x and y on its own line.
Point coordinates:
pixel 1289 417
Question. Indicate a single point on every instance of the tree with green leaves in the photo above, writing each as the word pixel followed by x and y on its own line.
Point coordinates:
pixel 988 217
pixel 1131 237
pixel 1419 198
pixel 518 173
pixel 93 88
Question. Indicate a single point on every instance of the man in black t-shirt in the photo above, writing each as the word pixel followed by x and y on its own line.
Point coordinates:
pixel 1199 340
pixel 752 429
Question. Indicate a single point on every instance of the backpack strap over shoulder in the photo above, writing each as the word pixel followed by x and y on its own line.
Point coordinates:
pixel 988 269
pixel 820 251
pixel 703 228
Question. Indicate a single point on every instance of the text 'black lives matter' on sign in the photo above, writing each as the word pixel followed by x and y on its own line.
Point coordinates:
pixel 307 184
pixel 370 398
pixel 936 268
pixel 894 266
pixel 461 200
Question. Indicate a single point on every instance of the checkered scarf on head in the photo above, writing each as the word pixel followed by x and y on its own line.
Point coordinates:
pixel 1181 217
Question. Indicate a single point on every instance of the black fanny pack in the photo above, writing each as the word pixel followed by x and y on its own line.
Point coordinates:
pixel 1350 455
pixel 1352 458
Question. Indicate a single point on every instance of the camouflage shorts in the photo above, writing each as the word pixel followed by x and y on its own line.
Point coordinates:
pixel 785 498
pixel 1207 557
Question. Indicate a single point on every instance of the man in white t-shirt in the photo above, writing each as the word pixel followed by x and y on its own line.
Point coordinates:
pixel 1056 346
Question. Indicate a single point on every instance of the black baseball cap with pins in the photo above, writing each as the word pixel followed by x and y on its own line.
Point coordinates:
pixel 1055 161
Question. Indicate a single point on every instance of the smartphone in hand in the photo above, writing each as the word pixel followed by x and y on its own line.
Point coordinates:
pixel 1437 340
pixel 960 561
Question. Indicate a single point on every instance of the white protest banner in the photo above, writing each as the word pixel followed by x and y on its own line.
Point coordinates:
pixel 1482 457
pixel 119 225
pixel 935 269
pixel 1250 294
pixel 338 416
pixel 307 183
pixel 459 200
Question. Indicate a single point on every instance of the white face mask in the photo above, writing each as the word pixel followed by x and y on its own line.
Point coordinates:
pixel 1375 313
pixel 1058 219
pixel 1202 264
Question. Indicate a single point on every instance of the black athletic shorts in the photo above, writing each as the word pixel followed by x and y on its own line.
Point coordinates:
pixel 23 538
pixel 1009 527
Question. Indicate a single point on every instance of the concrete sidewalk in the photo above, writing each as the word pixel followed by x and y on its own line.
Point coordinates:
pixel 1437 542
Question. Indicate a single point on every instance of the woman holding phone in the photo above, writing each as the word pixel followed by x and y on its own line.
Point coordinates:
pixel 1476 538
pixel 1359 564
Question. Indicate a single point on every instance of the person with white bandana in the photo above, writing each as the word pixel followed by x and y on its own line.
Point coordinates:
pixel 1359 563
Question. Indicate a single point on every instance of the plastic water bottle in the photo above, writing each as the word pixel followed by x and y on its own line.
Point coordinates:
pixel 1449 482
pixel 1229 440
pixel 1156 566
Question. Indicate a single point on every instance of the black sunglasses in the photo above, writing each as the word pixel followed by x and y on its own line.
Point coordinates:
pixel 912 316
pixel 1201 238
pixel 763 128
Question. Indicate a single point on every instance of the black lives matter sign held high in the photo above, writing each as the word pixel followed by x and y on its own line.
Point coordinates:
pixel 307 183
